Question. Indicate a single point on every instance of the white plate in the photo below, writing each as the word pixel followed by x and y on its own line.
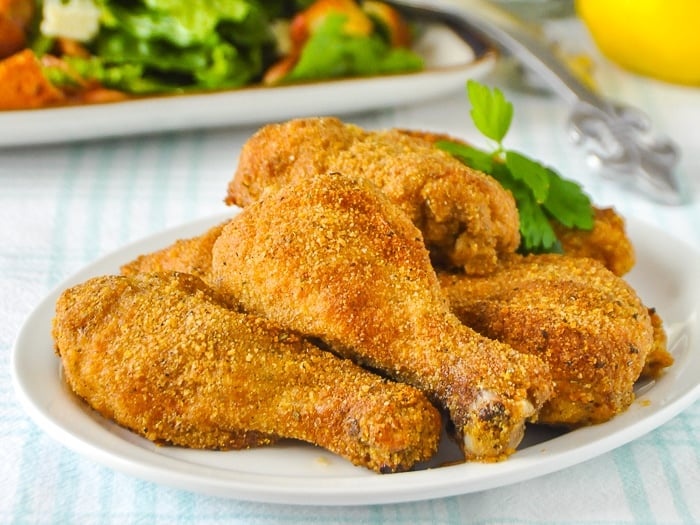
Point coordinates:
pixel 666 277
pixel 448 59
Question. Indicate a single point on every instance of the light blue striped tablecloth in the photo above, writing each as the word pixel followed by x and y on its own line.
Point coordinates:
pixel 63 206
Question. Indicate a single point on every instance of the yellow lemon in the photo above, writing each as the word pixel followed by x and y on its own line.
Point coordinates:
pixel 657 38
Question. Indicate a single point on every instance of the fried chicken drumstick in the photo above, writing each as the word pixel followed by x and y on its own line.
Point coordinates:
pixel 334 258
pixel 163 355
pixel 606 242
pixel 588 324
pixel 467 219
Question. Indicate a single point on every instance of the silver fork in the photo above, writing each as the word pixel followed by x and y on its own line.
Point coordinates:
pixel 618 137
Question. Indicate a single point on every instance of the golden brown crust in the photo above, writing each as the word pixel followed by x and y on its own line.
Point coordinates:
pixel 191 256
pixel 607 242
pixel 659 358
pixel 585 322
pixel 334 258
pixel 161 354
pixel 279 153
pixel 467 219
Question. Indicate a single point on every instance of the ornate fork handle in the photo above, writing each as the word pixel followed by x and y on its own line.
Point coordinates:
pixel 618 137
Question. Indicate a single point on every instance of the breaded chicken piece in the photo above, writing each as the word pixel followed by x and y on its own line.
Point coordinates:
pixel 607 242
pixel 191 256
pixel 163 355
pixel 659 358
pixel 588 324
pixel 467 219
pixel 332 257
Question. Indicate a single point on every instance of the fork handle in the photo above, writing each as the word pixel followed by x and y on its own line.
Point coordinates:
pixel 623 146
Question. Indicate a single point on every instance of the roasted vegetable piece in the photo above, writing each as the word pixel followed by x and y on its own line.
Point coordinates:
pixel 23 84
pixel 391 21
pixel 308 21
pixel 337 38
pixel 15 16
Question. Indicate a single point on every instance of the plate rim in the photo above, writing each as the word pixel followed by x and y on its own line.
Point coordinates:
pixel 366 488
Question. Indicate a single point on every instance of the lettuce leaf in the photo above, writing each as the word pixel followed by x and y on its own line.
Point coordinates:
pixel 179 45
pixel 332 53
pixel 178 22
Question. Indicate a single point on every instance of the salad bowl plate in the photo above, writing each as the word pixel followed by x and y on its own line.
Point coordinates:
pixel 449 62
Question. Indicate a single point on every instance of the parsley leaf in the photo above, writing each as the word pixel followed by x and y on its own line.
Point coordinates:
pixel 491 112
pixel 534 175
pixel 536 232
pixel 568 204
pixel 541 194
pixel 472 157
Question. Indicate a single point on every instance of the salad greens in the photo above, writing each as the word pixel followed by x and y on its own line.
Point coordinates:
pixel 540 193
pixel 331 53
pixel 151 46
pixel 174 46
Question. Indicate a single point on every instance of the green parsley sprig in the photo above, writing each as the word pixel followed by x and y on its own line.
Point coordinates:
pixel 541 194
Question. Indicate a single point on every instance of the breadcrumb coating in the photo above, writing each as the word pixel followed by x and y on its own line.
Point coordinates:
pixel 191 256
pixel 466 218
pixel 332 257
pixel 607 242
pixel 161 354
pixel 588 324
pixel 659 358
pixel 337 245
